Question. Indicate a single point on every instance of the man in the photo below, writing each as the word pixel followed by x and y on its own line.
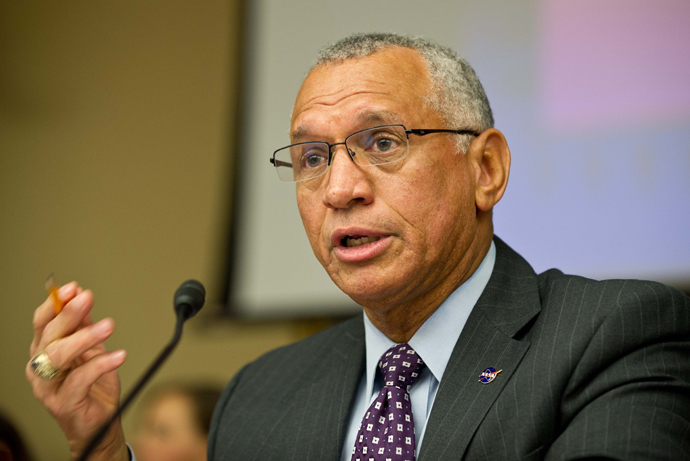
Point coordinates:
pixel 398 168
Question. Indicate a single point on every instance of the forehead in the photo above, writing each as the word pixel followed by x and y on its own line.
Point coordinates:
pixel 386 87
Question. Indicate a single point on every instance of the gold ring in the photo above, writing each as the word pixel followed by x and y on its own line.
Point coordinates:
pixel 44 367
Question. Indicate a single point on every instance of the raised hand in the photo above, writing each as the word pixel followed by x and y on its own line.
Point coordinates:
pixel 84 389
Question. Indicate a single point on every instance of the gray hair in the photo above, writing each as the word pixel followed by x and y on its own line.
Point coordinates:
pixel 456 92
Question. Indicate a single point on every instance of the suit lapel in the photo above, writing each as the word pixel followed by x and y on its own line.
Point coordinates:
pixel 509 301
pixel 329 398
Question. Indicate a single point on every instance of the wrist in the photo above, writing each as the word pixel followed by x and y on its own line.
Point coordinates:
pixel 112 448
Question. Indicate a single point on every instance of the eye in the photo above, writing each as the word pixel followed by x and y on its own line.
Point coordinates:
pixel 384 144
pixel 313 160
pixel 314 157
pixel 381 140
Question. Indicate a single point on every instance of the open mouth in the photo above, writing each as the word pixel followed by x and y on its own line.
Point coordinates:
pixel 350 241
pixel 358 245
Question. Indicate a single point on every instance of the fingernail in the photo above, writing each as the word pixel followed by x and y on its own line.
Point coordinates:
pixel 103 326
pixel 118 355
pixel 79 300
pixel 66 289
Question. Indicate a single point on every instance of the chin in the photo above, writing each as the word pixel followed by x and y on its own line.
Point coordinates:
pixel 371 294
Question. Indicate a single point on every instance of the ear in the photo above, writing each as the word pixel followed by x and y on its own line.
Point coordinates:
pixel 490 156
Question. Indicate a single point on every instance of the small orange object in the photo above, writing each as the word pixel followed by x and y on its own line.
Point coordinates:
pixel 53 290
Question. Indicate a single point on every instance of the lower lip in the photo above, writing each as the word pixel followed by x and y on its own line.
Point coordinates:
pixel 362 253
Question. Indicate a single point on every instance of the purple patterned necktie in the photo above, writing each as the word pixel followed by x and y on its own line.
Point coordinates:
pixel 387 430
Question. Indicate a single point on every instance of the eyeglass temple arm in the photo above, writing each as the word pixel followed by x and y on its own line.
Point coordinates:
pixel 278 163
pixel 426 132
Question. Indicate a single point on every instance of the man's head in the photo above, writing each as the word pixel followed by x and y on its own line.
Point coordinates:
pixel 455 92
pixel 405 233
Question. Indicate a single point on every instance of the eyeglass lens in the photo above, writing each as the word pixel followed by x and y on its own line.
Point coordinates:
pixel 373 146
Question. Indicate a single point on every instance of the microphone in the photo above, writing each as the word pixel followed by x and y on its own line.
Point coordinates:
pixel 188 301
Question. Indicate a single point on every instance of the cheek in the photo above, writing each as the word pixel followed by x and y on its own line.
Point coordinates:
pixel 312 214
pixel 152 450
pixel 438 201
pixel 306 208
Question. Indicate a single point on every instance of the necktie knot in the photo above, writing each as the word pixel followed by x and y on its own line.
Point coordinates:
pixel 401 366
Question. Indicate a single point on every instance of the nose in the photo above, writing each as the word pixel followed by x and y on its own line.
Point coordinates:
pixel 346 182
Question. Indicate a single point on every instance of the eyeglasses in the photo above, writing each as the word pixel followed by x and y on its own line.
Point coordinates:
pixel 374 146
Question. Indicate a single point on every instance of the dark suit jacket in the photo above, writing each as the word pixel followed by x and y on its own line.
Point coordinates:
pixel 589 369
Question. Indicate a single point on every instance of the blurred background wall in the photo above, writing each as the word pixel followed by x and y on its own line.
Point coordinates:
pixel 116 121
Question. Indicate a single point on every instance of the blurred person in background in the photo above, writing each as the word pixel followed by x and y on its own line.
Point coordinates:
pixel 12 447
pixel 174 423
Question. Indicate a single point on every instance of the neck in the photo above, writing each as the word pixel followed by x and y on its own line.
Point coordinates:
pixel 401 321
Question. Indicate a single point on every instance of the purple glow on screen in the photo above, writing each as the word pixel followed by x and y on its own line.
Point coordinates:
pixel 614 62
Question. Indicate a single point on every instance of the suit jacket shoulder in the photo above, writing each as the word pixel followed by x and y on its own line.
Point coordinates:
pixel 293 402
pixel 588 368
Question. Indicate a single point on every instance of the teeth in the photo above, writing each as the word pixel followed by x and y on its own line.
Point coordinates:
pixel 354 242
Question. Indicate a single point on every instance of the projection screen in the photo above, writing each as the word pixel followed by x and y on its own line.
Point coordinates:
pixel 593 98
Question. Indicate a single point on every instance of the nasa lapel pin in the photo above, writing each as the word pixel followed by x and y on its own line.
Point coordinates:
pixel 488 375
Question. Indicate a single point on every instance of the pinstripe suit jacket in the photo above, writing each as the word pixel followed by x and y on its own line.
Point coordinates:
pixel 589 369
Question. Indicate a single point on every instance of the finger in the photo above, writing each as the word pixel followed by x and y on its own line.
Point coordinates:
pixel 77 385
pixel 95 350
pixel 42 388
pixel 69 319
pixel 86 321
pixel 64 351
pixel 86 356
pixel 46 311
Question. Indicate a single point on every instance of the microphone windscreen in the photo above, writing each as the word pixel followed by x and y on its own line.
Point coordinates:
pixel 191 294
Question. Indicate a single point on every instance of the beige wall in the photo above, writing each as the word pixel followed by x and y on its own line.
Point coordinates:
pixel 115 131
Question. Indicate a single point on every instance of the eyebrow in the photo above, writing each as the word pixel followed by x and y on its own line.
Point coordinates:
pixel 365 118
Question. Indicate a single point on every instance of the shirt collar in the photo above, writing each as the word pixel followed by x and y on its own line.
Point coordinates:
pixel 436 338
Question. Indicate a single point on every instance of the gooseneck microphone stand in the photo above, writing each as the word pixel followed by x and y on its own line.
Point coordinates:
pixel 189 299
